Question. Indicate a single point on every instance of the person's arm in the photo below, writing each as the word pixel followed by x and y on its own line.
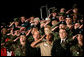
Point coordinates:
pixel 16 39
pixel 74 37
pixel 28 32
pixel 68 11
pixel 47 23
pixel 18 26
pixel 81 26
pixel 54 28
pixel 27 20
pixel 49 15
pixel 11 24
pixel 36 42
pixel 11 32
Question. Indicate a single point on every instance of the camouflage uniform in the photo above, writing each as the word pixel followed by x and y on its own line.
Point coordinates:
pixel 56 35
pixel 76 50
pixel 20 51
pixel 70 33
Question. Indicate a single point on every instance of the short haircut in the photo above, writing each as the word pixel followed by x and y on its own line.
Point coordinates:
pixel 48 27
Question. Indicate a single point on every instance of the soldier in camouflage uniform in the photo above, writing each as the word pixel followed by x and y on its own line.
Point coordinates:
pixel 77 49
pixel 3 35
pixel 21 48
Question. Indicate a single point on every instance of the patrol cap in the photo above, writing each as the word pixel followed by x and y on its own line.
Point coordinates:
pixel 54 10
pixel 62 14
pixel 36 19
pixel 68 16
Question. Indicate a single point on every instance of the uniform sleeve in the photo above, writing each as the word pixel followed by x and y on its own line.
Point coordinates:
pixel 38 45
pixel 17 52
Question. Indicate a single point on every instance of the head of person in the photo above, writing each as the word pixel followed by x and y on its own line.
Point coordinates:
pixel 16 23
pixel 75 10
pixel 22 39
pixel 62 10
pixel 80 39
pixel 68 21
pixel 31 19
pixel 77 25
pixel 61 18
pixel 36 20
pixel 54 14
pixel 50 37
pixel 16 20
pixel 34 29
pixel 54 22
pixel 36 35
pixel 47 30
pixel 62 33
pixel 4 31
pixel 22 18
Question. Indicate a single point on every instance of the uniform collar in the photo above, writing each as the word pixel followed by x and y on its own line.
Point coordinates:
pixel 63 39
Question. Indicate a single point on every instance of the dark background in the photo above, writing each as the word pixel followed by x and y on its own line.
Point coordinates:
pixel 10 9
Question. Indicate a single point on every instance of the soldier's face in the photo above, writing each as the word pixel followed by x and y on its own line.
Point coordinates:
pixel 32 18
pixel 22 38
pixel 62 34
pixel 16 23
pixel 22 19
pixel 36 35
pixel 33 30
pixel 62 10
pixel 47 31
pixel 36 22
pixel 54 22
pixel 75 10
pixel 54 14
pixel 61 18
pixel 80 37
pixel 4 31
pixel 68 20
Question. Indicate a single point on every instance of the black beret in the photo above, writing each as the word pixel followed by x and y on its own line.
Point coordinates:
pixel 63 22
pixel 68 16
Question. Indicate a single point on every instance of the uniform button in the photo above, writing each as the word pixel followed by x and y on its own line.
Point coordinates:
pixel 77 52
